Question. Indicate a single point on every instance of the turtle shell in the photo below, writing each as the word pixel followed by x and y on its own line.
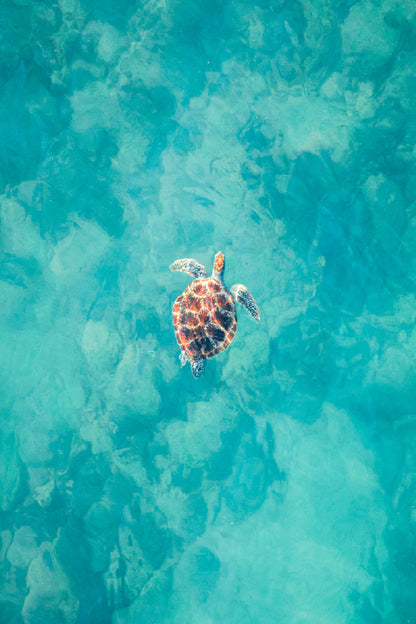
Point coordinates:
pixel 204 318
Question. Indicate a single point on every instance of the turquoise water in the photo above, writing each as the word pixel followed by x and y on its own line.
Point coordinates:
pixel 279 487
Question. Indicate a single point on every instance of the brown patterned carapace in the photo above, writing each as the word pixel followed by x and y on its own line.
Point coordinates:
pixel 204 318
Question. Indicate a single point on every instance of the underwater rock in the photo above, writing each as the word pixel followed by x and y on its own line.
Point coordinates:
pixel 194 441
pixel 23 548
pixel 50 598
pixel 9 470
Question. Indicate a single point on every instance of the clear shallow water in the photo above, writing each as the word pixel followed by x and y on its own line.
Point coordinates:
pixel 280 486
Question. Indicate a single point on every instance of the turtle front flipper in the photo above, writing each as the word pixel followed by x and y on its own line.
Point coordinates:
pixel 246 299
pixel 197 368
pixel 188 265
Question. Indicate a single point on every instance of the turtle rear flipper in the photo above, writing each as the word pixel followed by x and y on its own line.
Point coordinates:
pixel 246 299
pixel 197 368
pixel 188 265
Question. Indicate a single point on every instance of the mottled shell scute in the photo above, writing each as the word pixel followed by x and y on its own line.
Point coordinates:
pixel 204 318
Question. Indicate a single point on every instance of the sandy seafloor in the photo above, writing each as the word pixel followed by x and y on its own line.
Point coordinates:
pixel 280 488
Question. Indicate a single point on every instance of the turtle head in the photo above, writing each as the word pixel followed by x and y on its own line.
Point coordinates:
pixel 219 265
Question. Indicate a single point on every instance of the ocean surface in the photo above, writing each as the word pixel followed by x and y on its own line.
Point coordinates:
pixel 280 487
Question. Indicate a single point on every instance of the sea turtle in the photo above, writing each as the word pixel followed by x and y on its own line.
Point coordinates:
pixel 204 315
